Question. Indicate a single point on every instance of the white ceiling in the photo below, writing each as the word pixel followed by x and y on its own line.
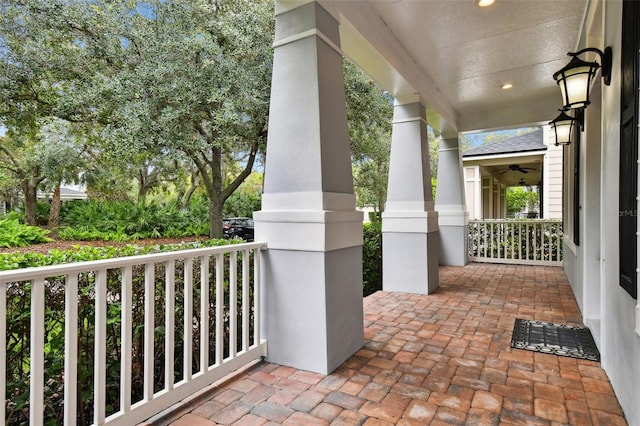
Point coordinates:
pixel 457 55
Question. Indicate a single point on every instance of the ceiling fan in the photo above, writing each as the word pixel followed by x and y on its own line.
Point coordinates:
pixel 516 168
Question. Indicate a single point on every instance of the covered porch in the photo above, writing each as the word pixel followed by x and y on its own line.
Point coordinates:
pixel 435 343
pixel 438 359
pixel 458 68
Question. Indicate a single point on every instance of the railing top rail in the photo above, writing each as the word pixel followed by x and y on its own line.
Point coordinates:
pixel 515 221
pixel 119 262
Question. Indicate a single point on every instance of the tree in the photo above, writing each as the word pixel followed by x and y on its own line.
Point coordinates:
pixel 179 75
pixel 40 161
pixel 60 156
pixel 247 199
pixel 518 198
pixel 18 154
pixel 370 113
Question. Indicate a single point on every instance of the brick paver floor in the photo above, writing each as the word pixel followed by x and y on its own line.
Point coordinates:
pixel 440 359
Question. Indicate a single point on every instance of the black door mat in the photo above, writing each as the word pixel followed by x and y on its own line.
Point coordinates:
pixel 557 339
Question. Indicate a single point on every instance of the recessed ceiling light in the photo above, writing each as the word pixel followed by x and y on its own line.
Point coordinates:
pixel 485 3
pixel 507 86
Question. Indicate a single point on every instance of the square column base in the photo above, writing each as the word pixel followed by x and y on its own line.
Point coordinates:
pixel 312 307
pixel 454 245
pixel 410 262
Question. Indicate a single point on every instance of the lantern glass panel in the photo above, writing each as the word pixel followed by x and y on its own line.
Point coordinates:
pixel 576 89
pixel 563 129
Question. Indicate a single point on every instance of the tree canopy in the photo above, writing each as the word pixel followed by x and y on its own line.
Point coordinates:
pixel 370 113
pixel 155 77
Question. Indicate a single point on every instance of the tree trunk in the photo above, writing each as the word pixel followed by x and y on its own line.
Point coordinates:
pixel 30 202
pixel 215 217
pixel 143 186
pixel 54 211
pixel 194 185
pixel 215 196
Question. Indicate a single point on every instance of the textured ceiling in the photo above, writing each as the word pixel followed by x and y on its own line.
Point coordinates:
pixel 457 55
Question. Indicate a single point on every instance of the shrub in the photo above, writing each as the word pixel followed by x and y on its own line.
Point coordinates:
pixel 129 221
pixel 18 328
pixel 372 258
pixel 14 233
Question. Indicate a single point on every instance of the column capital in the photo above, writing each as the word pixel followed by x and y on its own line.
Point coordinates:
pixel 314 231
pixel 311 200
pixel 307 20
pixel 409 206
pixel 410 222
pixel 406 99
pixel 452 214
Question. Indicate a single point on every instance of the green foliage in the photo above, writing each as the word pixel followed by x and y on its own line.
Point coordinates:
pixel 246 199
pixel 242 204
pixel 145 83
pixel 127 221
pixel 370 113
pixel 518 198
pixel 10 261
pixel 13 233
pixel 372 258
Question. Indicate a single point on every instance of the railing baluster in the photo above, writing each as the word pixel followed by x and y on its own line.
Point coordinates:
pixel 233 303
pixel 543 250
pixel 519 240
pixel 170 323
pixel 188 319
pixel 36 366
pixel 510 241
pixel 528 237
pixel 70 349
pixel 204 314
pixel 498 239
pixel 535 241
pixel 219 307
pixel 513 241
pixel 126 333
pixel 149 328
pixel 256 297
pixel 242 349
pixel 559 235
pixel 3 349
pixel 485 240
pixel 245 300
pixel 100 357
pixel 491 226
pixel 501 248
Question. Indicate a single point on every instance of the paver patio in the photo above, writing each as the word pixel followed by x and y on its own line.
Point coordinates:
pixel 439 359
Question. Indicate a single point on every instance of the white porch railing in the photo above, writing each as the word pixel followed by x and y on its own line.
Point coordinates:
pixel 135 334
pixel 526 242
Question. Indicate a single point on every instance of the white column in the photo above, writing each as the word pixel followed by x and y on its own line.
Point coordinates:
pixel 410 241
pixel 312 270
pixel 450 205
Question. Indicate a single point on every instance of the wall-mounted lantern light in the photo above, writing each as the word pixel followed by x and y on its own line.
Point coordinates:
pixel 575 78
pixel 563 128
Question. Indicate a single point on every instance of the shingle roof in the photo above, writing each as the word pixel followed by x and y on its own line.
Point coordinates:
pixel 523 143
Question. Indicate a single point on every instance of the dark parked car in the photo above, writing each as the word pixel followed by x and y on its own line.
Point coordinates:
pixel 238 227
